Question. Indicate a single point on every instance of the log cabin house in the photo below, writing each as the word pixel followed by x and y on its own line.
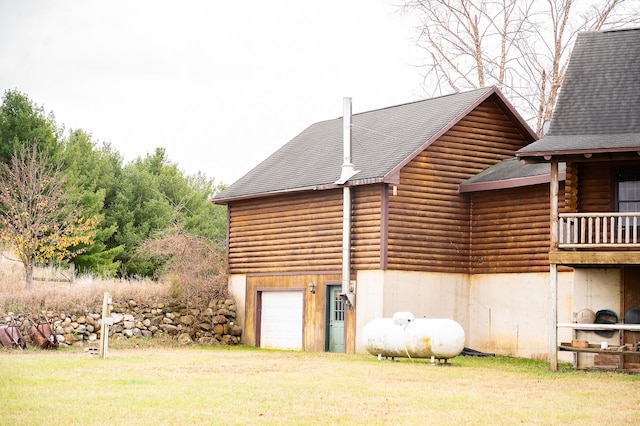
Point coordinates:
pixel 595 131
pixel 440 221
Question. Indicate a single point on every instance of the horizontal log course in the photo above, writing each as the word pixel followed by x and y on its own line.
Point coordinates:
pixel 317 223
pixel 461 157
pixel 426 219
pixel 437 248
pixel 366 205
pixel 258 238
pixel 310 213
pixel 500 143
pixel 360 237
pixel 368 214
pixel 434 204
pixel 447 178
pixel 513 218
pixel 517 242
pixel 493 131
pixel 483 115
pixel 420 195
pixel 308 263
pixel 444 167
pixel 283 200
pixel 433 260
pixel 360 232
pixel 429 263
pixel 439 267
pixel 504 147
pixel 402 231
pixel 512 269
pixel 309 235
pixel 502 256
pixel 290 249
pixel 485 124
pixel 517 226
pixel 489 109
pixel 506 212
pixel 278 267
pixel 419 210
pixel 418 181
pixel 513 261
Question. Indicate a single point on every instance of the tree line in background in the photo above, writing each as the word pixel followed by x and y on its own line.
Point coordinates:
pixel 66 198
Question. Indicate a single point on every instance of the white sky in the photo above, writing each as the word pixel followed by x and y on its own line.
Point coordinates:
pixel 220 85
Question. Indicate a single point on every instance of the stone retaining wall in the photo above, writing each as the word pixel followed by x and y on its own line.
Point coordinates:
pixel 211 326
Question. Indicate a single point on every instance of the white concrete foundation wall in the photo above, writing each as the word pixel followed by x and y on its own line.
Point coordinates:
pixel 506 314
pixel 509 313
pixel 238 289
pixel 380 294
pixel 595 289
pixel 369 301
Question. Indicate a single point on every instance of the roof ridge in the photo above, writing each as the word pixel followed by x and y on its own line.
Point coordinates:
pixel 612 30
pixel 479 89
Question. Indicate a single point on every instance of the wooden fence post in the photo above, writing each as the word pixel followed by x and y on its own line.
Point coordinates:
pixel 104 328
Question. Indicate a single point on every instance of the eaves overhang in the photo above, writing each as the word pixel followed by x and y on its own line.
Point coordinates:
pixel 508 183
pixel 319 187
pixel 576 155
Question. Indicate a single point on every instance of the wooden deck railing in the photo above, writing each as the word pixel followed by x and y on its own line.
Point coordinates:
pixel 594 230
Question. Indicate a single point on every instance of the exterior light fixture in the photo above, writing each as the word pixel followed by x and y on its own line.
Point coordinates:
pixel 312 288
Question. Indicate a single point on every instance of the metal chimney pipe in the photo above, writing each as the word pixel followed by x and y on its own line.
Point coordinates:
pixel 346 133
pixel 347 172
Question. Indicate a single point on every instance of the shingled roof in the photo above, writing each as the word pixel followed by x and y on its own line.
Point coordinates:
pixel 511 173
pixel 598 109
pixel 383 141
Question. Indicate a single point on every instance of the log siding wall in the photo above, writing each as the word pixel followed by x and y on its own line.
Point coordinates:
pixel 367 229
pixel 286 234
pixel 428 219
pixel 299 233
pixel 510 230
pixel 595 184
pixel 426 223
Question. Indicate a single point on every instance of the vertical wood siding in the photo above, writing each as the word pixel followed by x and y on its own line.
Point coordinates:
pixel 510 230
pixel 428 219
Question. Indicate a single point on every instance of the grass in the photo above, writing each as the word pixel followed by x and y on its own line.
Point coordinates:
pixel 144 383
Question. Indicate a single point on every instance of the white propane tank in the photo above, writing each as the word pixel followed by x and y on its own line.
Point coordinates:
pixel 406 336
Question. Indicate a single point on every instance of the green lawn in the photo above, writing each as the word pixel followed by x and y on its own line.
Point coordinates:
pixel 220 386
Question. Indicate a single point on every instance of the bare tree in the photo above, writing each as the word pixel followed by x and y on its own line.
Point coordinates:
pixel 39 220
pixel 521 46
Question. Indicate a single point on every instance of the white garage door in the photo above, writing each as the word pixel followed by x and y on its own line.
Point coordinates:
pixel 281 320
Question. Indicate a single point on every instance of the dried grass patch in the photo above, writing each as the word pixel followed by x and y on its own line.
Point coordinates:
pixel 83 293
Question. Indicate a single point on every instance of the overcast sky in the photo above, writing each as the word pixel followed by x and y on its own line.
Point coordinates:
pixel 220 85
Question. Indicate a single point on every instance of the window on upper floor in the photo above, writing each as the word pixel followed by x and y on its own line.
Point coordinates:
pixel 628 191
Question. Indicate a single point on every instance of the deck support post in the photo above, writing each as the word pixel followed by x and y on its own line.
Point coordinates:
pixel 553 269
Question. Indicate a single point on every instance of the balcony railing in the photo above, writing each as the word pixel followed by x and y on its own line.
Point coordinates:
pixel 598 230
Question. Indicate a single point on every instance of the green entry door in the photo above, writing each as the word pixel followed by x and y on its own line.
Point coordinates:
pixel 335 310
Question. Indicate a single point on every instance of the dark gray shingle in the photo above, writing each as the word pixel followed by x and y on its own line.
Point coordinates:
pixel 381 140
pixel 599 104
